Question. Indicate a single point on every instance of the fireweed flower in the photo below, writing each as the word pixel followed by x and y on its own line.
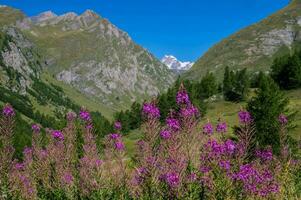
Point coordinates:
pixel 205 169
pixel 244 117
pixel 139 175
pixel 57 135
pixel 225 164
pixel 8 111
pixel 150 110
pixel 221 127
pixel 85 115
pixel 282 119
pixel 172 179
pixel 255 181
pixel 98 162
pixel 114 136
pixel 264 155
pixel 208 129
pixel 71 116
pixel 173 124
pixel 229 146
pixel 27 151
pixel 19 166
pixel 36 128
pixel 182 97
pixel 119 146
pixel 192 177
pixel 189 111
pixel 43 153
pixel 165 134
pixel 68 178
pixel 117 125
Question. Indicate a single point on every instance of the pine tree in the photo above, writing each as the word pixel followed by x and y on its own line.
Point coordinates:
pixel 235 85
pixel 242 84
pixel 286 71
pixel 265 108
pixel 227 83
pixel 207 86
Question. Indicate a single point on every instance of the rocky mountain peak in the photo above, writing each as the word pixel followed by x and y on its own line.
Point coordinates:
pixel 89 16
pixel 174 64
pixel 69 16
pixel 89 13
pixel 47 15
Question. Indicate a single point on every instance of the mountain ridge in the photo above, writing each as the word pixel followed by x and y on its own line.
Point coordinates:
pixel 95 57
pixel 253 47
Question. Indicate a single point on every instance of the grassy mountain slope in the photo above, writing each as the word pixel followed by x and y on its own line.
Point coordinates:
pixel 253 47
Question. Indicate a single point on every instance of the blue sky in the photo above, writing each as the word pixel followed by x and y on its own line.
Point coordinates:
pixel 183 28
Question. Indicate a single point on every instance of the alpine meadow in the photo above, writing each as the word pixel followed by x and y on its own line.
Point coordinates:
pixel 88 113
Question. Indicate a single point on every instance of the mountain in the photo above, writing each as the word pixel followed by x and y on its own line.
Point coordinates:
pixel 253 47
pixel 25 85
pixel 24 79
pixel 96 58
pixel 174 64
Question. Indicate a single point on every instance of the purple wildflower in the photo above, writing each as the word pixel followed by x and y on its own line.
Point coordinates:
pixel 225 164
pixel 117 125
pixel 71 116
pixel 8 111
pixel 173 124
pixel 221 127
pixel 264 155
pixel 98 162
pixel 208 129
pixel 189 111
pixel 244 117
pixel 36 128
pixel 256 182
pixel 114 136
pixel 165 134
pixel 57 134
pixel 150 110
pixel 282 119
pixel 27 151
pixel 182 97
pixel 68 178
pixel 19 166
pixel 85 115
pixel 205 169
pixel 119 146
pixel 192 177
pixel 142 170
pixel 229 146
pixel 172 179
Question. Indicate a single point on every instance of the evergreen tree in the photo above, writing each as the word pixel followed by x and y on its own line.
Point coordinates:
pixel 235 85
pixel 265 108
pixel 242 84
pixel 257 79
pixel 207 86
pixel 227 83
pixel 286 71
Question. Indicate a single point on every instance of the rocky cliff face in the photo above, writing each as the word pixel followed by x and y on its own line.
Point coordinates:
pixel 255 46
pixel 94 56
pixel 19 64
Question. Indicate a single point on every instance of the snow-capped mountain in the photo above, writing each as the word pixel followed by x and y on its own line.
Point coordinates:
pixel 174 64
